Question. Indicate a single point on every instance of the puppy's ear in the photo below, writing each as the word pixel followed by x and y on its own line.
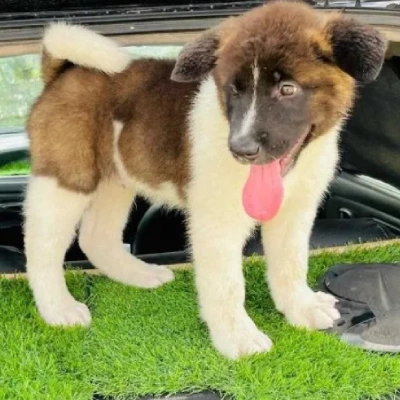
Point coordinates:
pixel 196 59
pixel 358 49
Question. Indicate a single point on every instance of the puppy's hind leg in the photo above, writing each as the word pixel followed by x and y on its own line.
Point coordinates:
pixel 101 239
pixel 51 216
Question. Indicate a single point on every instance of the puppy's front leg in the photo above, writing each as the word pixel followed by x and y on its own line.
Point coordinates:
pixel 218 237
pixel 286 239
pixel 286 247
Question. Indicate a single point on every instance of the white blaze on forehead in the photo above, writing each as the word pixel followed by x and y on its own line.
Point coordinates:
pixel 251 114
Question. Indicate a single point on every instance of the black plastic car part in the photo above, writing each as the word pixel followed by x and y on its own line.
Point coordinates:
pixel 369 304
pixel 158 17
pixel 161 231
pixel 206 395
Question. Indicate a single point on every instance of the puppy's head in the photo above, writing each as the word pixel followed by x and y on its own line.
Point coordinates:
pixel 285 74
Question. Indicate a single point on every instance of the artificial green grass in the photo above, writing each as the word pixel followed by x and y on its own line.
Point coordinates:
pixel 15 168
pixel 152 342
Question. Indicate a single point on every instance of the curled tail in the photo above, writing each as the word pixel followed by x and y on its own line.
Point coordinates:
pixel 65 44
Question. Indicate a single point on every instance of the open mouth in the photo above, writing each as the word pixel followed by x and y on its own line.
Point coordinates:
pixel 263 192
pixel 288 160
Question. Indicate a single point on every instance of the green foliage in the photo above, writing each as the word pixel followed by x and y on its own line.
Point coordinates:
pixel 20 84
pixel 15 168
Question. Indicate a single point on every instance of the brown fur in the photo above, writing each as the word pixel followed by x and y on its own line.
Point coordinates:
pixel 70 130
pixel 154 112
pixel 71 126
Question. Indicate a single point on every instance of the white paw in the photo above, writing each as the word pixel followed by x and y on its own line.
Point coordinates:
pixel 313 310
pixel 67 313
pixel 149 276
pixel 240 338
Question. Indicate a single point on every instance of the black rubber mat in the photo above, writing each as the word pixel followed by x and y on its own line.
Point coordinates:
pixel 195 396
pixel 369 304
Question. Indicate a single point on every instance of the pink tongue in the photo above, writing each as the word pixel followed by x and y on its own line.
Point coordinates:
pixel 263 192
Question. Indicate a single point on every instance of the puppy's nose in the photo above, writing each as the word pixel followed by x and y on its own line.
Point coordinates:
pixel 244 150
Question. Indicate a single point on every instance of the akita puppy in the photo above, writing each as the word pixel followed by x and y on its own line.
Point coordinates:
pixel 242 129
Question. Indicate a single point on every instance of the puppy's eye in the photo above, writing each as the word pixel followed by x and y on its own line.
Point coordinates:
pixel 288 89
pixel 234 90
pixel 237 87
